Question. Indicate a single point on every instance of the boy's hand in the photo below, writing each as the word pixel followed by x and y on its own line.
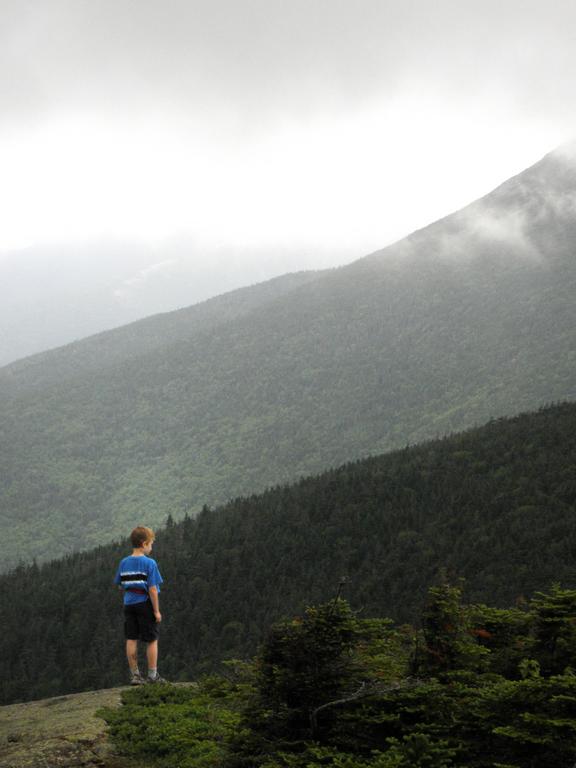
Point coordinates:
pixel 158 617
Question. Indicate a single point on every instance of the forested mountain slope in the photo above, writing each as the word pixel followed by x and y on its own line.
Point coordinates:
pixel 495 505
pixel 143 337
pixel 470 318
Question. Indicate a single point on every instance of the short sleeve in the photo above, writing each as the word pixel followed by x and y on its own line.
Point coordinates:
pixel 117 579
pixel 154 577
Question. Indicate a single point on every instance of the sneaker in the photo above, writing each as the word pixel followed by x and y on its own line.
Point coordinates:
pixel 156 679
pixel 137 679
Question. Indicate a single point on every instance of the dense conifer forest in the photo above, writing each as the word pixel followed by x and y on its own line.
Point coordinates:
pixel 470 318
pixel 495 506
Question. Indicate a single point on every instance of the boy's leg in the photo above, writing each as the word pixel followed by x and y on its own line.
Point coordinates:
pixel 152 655
pixel 132 655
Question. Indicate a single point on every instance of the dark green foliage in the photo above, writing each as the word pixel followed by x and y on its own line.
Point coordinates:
pixel 442 331
pixel 555 629
pixel 525 723
pixel 506 634
pixel 390 523
pixel 305 661
pixel 449 639
pixel 467 716
pixel 167 726
pixel 303 664
pixel 467 701
pixel 417 751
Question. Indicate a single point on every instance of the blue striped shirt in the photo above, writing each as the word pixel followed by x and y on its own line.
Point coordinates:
pixel 137 572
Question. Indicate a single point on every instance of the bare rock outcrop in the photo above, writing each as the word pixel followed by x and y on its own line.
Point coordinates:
pixel 62 732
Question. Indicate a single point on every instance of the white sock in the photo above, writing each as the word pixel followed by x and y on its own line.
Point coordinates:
pixel 152 673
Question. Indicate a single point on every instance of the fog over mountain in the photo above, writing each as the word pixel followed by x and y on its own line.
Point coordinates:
pixel 470 318
pixel 157 153
pixel 52 296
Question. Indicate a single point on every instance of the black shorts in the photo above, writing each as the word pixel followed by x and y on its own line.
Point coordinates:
pixel 139 622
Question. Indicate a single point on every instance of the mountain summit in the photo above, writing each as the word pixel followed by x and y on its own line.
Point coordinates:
pixel 470 318
pixel 531 217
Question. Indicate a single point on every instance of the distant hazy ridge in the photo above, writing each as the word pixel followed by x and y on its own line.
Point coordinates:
pixel 470 318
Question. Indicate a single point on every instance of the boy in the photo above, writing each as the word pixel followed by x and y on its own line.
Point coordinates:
pixel 138 576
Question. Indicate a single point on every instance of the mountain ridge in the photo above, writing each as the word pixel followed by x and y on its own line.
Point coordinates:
pixel 389 350
pixel 229 305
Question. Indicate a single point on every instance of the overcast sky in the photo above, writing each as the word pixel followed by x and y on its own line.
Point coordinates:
pixel 326 128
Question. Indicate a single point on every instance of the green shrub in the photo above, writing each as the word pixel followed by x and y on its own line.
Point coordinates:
pixel 172 726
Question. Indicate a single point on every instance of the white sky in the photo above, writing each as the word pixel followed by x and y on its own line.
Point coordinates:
pixel 336 125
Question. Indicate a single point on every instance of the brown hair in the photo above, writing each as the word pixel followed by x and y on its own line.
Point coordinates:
pixel 140 535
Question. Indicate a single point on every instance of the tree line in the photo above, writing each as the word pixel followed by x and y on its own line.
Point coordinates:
pixel 494 505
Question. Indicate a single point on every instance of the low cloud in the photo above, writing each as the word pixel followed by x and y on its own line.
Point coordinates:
pixel 132 285
pixel 506 231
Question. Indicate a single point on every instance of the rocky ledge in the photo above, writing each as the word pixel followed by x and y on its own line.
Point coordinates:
pixel 62 732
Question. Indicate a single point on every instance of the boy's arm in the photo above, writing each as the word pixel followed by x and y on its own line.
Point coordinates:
pixel 153 592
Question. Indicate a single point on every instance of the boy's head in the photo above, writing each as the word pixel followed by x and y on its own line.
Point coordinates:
pixel 142 538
